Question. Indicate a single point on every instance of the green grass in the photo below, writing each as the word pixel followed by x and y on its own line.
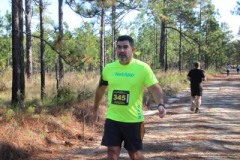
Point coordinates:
pixel 172 81
pixel 78 87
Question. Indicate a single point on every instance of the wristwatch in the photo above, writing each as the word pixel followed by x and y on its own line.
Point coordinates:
pixel 163 105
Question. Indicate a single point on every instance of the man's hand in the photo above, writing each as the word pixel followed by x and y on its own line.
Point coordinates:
pixel 162 111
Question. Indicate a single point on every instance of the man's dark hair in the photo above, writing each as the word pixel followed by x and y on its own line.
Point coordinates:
pixel 196 64
pixel 126 38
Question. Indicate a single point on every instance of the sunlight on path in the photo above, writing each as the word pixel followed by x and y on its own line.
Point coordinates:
pixel 213 134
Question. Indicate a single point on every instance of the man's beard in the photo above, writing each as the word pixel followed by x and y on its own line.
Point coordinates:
pixel 123 58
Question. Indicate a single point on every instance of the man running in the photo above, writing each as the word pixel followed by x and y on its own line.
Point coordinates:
pixel 125 80
pixel 196 76
pixel 238 69
pixel 228 68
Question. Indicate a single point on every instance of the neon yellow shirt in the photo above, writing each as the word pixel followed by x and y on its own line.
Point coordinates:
pixel 126 87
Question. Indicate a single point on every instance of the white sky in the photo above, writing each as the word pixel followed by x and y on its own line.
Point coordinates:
pixel 225 6
pixel 73 20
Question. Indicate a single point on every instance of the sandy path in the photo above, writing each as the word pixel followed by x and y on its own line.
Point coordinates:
pixel 213 134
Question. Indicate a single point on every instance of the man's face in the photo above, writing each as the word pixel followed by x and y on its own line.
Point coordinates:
pixel 124 52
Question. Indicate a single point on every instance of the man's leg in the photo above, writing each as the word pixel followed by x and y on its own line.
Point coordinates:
pixel 113 152
pixel 133 140
pixel 112 139
pixel 193 103
pixel 136 155
pixel 198 103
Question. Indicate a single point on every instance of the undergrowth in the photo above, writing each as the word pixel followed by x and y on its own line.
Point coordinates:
pixel 76 88
pixel 172 82
pixel 62 117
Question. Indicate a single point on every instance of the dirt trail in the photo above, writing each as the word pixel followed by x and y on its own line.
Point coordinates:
pixel 212 134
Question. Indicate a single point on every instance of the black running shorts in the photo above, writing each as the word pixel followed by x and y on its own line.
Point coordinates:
pixel 117 132
pixel 196 90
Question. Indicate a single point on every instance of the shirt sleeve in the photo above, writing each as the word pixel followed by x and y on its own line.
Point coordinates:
pixel 103 79
pixel 150 78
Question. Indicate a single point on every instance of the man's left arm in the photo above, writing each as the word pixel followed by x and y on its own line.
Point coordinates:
pixel 157 93
pixel 204 76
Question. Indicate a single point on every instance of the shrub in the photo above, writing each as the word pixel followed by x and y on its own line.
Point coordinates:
pixel 10 114
pixel 65 96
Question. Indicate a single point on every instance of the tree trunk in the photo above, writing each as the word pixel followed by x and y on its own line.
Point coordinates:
pixel 42 48
pixel 113 32
pixel 15 52
pixel 156 46
pixel 166 53
pixel 180 49
pixel 102 40
pixel 22 67
pixel 162 45
pixel 29 67
pixel 18 83
pixel 200 30
pixel 60 41
pixel 162 42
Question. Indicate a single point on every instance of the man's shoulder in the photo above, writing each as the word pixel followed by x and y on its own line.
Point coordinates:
pixel 192 70
pixel 112 64
pixel 137 61
pixel 196 70
pixel 200 70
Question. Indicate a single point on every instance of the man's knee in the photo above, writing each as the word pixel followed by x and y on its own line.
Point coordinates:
pixel 136 155
pixel 113 153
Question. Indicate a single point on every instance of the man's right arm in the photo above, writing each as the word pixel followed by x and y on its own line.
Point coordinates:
pixel 101 89
pixel 204 79
pixel 188 76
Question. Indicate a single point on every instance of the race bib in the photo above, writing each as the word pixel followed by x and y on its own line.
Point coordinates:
pixel 120 97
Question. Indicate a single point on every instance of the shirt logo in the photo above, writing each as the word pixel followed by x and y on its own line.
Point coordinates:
pixel 124 74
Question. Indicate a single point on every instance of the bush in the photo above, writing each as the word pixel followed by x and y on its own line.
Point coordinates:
pixel 3 86
pixel 10 114
pixel 172 82
pixel 65 96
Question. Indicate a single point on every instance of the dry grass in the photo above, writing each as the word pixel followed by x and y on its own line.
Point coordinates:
pixel 43 131
pixel 44 135
pixel 79 83
pixel 26 133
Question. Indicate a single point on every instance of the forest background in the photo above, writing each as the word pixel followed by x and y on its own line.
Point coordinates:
pixel 49 70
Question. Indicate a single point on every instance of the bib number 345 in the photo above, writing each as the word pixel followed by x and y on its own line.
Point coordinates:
pixel 120 97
